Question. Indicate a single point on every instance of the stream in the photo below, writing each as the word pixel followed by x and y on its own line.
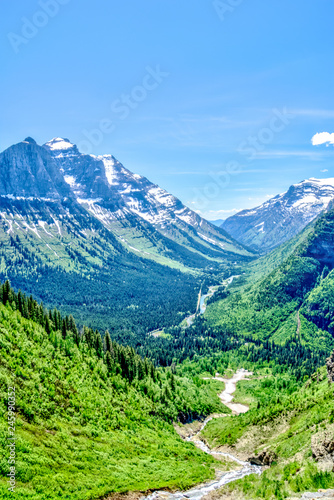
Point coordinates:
pixel 222 478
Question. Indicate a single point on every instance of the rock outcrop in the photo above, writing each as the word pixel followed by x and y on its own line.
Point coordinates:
pixel 29 171
pixel 324 494
pixel 322 445
pixel 264 458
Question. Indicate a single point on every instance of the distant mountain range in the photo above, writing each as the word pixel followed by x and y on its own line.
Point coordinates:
pixel 282 217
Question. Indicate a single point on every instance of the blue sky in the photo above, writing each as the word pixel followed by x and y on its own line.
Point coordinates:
pixel 216 101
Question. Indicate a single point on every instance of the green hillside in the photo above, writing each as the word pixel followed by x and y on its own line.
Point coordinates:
pixel 92 417
pixel 294 427
pixel 292 299
pixel 80 267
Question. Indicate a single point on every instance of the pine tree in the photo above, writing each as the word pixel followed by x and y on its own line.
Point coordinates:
pixel 109 361
pixel 47 324
pixel 5 292
pixel 107 341
pixel 172 382
pixel 64 329
pixel 98 344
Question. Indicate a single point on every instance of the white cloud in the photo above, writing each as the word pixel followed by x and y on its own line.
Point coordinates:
pixel 221 212
pixel 324 170
pixel 323 138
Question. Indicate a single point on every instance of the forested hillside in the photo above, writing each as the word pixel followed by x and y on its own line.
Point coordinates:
pixel 293 300
pixel 116 395
pixel 92 416
pixel 95 404
pixel 88 273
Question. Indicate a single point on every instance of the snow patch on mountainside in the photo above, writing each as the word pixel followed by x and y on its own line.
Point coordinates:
pixel 161 196
pixel 109 164
pixel 27 198
pixel 317 182
pixel 70 180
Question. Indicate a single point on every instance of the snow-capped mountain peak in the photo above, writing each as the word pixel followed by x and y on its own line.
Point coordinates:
pixel 59 143
pixel 105 187
pixel 317 182
pixel 283 216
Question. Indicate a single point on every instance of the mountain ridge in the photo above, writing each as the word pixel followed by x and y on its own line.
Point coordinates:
pixel 100 259
pixel 127 204
pixel 283 216
pixel 96 180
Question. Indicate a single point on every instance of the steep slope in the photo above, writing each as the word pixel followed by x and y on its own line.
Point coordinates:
pixel 293 300
pixel 89 419
pixel 29 172
pixel 289 427
pixel 146 218
pixel 282 217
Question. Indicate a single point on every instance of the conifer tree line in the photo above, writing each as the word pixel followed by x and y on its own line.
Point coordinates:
pixel 119 359
pixel 198 340
pixel 203 340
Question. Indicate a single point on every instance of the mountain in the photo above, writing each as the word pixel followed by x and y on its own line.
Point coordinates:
pixel 280 309
pixel 71 226
pixel 85 407
pixel 282 217
pixel 28 172
pixel 147 219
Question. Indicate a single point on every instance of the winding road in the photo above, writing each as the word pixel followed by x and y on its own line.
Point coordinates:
pixel 222 477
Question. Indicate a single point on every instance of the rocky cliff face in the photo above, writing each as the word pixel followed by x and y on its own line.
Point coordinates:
pixel 320 244
pixel 282 217
pixel 112 194
pixel 28 171
pixel 102 179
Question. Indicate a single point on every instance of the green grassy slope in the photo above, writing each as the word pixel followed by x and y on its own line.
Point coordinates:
pixel 294 299
pixel 266 264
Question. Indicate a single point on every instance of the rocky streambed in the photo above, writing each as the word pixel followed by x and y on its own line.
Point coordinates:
pixel 222 477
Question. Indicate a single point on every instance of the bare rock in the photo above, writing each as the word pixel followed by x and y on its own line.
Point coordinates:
pixel 264 458
pixel 322 445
